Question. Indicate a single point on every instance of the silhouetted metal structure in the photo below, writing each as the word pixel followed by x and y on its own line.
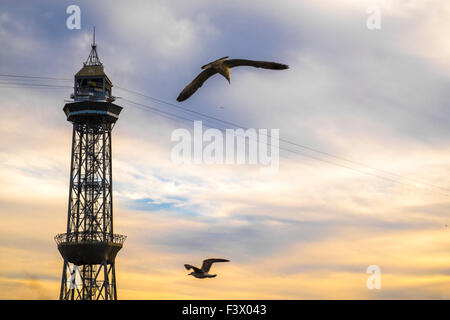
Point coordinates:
pixel 89 247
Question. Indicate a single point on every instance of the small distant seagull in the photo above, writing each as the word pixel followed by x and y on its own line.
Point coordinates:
pixel 203 272
pixel 223 66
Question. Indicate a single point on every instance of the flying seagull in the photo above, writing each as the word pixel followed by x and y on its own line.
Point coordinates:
pixel 223 66
pixel 203 272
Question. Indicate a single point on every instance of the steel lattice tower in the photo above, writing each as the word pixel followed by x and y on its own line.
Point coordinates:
pixel 89 246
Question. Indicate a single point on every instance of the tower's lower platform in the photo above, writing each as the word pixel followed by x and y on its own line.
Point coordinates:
pixel 80 250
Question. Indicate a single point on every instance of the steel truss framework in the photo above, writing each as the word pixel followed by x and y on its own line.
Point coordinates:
pixel 88 282
pixel 90 214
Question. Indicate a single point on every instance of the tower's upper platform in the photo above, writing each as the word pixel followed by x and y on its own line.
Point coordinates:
pixel 92 112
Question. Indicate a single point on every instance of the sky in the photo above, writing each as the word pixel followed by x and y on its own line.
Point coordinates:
pixel 376 97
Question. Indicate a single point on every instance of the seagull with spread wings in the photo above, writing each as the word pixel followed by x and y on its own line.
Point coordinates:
pixel 222 66
pixel 203 272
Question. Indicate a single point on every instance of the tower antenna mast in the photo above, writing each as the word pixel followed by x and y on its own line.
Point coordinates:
pixel 93 59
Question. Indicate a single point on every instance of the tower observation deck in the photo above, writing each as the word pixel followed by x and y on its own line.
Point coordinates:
pixel 89 246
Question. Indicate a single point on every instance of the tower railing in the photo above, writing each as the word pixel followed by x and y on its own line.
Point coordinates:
pixel 89 236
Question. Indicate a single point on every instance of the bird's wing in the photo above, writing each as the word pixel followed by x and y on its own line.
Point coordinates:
pixel 223 58
pixel 257 64
pixel 208 262
pixel 195 84
pixel 188 267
